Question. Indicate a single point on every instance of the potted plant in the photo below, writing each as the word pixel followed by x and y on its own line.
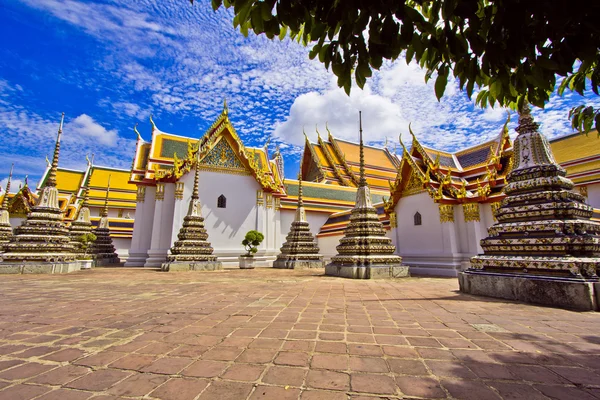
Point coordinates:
pixel 85 242
pixel 251 242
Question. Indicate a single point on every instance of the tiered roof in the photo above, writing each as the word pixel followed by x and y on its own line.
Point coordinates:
pixel 475 174
pixel 579 154
pixel 336 162
pixel 167 156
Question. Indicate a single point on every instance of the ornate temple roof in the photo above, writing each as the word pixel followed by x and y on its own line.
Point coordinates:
pixel 579 154
pixel 474 174
pixel 336 162
pixel 168 156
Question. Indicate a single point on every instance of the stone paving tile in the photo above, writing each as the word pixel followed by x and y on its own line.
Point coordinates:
pixel 261 334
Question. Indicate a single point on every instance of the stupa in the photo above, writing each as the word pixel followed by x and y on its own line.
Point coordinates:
pixel 81 226
pixel 192 252
pixel 365 252
pixel 5 227
pixel 103 248
pixel 300 249
pixel 544 248
pixel 42 244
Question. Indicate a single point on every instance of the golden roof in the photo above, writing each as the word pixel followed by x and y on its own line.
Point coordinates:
pixel 575 147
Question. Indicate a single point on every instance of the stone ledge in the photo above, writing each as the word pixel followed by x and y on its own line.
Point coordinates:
pixel 40 267
pixel 175 266
pixel 297 264
pixel 367 272
pixel 576 294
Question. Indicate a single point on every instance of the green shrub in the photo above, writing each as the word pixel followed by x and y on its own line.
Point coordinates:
pixel 251 242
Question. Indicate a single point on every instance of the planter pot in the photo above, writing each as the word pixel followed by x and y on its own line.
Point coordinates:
pixel 246 262
pixel 86 264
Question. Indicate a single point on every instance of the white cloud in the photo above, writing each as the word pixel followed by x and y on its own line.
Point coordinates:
pixel 86 127
pixel 14 185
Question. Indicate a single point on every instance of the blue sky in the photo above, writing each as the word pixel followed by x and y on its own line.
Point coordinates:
pixel 109 64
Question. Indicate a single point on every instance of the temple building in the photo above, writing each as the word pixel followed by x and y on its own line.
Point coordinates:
pixel 435 205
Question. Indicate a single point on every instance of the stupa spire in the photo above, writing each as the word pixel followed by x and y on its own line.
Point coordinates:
pixel 51 181
pixel 365 251
pixel 300 249
pixel 5 200
pixel 362 181
pixel 544 247
pixel 192 252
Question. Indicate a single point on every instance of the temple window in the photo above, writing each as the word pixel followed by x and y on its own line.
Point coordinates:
pixel 417 218
pixel 221 202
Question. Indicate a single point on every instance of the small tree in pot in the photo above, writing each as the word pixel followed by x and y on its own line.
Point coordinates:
pixel 251 242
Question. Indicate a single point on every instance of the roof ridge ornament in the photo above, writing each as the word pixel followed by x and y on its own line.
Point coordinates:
pixel 139 137
pixel 153 124
pixel 225 108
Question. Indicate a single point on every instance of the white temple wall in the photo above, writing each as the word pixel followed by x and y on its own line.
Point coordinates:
pixel 414 240
pixel 122 246
pixel 327 245
pixel 142 229
pixel 593 197
pixel 315 220
pixel 228 226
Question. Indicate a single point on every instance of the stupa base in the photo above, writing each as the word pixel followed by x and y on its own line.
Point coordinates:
pixel 109 261
pixel 571 293
pixel 38 267
pixel 367 272
pixel 182 266
pixel 298 264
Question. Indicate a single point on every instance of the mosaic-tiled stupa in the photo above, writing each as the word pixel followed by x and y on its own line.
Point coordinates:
pixel 5 227
pixel 365 252
pixel 192 252
pixel 42 244
pixel 544 248
pixel 300 249
pixel 81 226
pixel 103 248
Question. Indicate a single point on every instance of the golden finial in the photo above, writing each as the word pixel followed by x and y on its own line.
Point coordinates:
pixel 505 128
pixel 47 161
pixel 5 200
pixel 411 132
pixel 105 209
pixel 225 108
pixel 362 181
pixel 317 129
pixel 385 144
pixel 87 159
pixel 26 180
pixel 51 181
pixel 139 137
pixel 152 123
pixel 402 144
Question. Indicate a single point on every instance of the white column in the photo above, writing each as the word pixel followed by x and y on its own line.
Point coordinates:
pixel 162 227
pixel 142 228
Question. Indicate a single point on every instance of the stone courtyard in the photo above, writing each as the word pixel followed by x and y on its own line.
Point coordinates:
pixel 283 334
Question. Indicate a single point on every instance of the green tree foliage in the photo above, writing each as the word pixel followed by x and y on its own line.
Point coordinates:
pixel 251 242
pixel 511 49
pixel 86 241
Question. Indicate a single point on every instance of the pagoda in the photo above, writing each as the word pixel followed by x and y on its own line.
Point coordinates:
pixel 544 248
pixel 81 225
pixel 300 249
pixel 103 247
pixel 365 252
pixel 42 244
pixel 5 227
pixel 192 252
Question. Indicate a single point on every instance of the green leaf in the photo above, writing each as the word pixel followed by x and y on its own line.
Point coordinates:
pixel 440 84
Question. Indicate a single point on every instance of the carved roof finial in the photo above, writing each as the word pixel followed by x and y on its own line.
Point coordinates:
pixel 402 144
pixel 5 200
pixel 51 181
pixel 105 209
pixel 152 123
pixel 139 137
pixel 362 181
pixel 225 108
pixel 317 129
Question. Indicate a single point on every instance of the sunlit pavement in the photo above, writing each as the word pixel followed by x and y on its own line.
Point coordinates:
pixel 280 334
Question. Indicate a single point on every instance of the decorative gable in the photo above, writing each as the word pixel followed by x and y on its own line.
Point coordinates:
pixel 222 156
